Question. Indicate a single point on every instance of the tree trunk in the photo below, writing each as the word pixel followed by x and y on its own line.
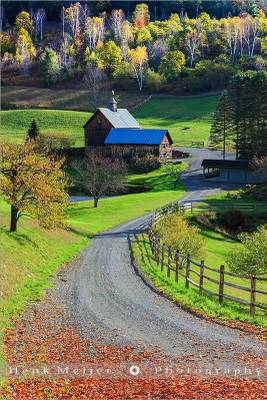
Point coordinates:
pixel 13 219
pixel 96 202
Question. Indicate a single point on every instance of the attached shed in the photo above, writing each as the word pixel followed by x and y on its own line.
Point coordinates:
pixel 127 143
pixel 232 171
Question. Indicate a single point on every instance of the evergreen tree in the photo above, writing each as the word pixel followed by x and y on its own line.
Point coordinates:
pixel 222 128
pixel 33 130
pixel 248 99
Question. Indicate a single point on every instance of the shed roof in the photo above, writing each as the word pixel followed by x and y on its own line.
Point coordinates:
pixel 213 163
pixel 137 136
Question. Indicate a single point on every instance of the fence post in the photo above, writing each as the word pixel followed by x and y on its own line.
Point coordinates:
pixel 187 272
pixel 253 295
pixel 191 207
pixel 162 257
pixel 221 284
pixel 158 249
pixel 201 277
pixel 169 261
pixel 176 266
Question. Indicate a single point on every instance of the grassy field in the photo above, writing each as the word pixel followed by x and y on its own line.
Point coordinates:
pixel 188 119
pixel 32 255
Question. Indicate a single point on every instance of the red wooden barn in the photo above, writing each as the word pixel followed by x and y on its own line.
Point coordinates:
pixel 114 132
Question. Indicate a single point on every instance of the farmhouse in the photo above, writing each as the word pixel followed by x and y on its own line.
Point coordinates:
pixel 232 171
pixel 114 132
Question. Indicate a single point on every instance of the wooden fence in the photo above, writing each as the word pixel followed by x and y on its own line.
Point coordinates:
pixel 184 266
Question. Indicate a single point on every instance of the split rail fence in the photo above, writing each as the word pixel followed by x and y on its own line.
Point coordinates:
pixel 198 273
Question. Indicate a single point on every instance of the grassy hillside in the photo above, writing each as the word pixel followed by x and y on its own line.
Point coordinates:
pixel 32 255
pixel 188 119
pixel 15 123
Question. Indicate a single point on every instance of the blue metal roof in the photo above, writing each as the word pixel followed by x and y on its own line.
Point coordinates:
pixel 136 136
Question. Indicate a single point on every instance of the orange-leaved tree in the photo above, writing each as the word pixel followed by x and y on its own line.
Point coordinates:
pixel 33 184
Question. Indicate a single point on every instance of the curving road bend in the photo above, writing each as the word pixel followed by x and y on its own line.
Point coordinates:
pixel 109 300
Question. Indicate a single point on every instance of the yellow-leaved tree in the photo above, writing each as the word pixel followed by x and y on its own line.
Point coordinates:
pixel 138 58
pixel 33 184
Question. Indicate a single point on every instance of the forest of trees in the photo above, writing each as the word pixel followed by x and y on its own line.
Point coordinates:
pixel 192 47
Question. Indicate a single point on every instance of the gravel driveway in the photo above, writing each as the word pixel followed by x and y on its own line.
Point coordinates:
pixel 109 300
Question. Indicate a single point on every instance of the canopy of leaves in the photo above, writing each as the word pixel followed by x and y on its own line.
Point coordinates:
pixel 33 183
pixel 251 259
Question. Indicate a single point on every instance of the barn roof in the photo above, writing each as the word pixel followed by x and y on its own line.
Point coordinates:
pixel 120 118
pixel 137 136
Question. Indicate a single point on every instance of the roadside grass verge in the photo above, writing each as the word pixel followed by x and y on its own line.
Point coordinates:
pixel 33 255
pixel 189 298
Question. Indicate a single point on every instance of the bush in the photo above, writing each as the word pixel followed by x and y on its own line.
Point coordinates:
pixel 145 164
pixel 251 259
pixel 175 231
pixel 53 141
pixel 154 81
pixel 232 220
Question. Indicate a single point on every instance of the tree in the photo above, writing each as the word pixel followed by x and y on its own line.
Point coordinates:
pixel 171 64
pixel 23 20
pixel 193 38
pixel 109 56
pixel 94 31
pixel 117 19
pixel 248 96
pixel 141 15
pixel 33 131
pixel 138 58
pixel 93 78
pixel 175 231
pixel 100 176
pixel 222 128
pixel 25 50
pixel 33 184
pixel 51 66
pixel 126 37
pixel 38 20
pixel 175 172
pixel 251 258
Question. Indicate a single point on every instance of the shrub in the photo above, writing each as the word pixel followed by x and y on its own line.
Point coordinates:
pixel 53 141
pixel 146 163
pixel 154 81
pixel 251 259
pixel 232 220
pixel 175 231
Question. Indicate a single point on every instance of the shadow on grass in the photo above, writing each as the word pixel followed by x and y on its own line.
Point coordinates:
pixel 81 233
pixel 20 238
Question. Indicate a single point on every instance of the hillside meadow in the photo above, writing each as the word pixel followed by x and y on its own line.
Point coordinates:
pixel 32 255
pixel 188 119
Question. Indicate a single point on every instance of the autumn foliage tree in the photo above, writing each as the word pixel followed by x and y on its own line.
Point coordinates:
pixel 33 184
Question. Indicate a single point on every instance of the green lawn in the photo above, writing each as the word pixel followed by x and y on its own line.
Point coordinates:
pixel 188 119
pixel 32 255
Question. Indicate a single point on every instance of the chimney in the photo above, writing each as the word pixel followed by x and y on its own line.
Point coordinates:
pixel 113 103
